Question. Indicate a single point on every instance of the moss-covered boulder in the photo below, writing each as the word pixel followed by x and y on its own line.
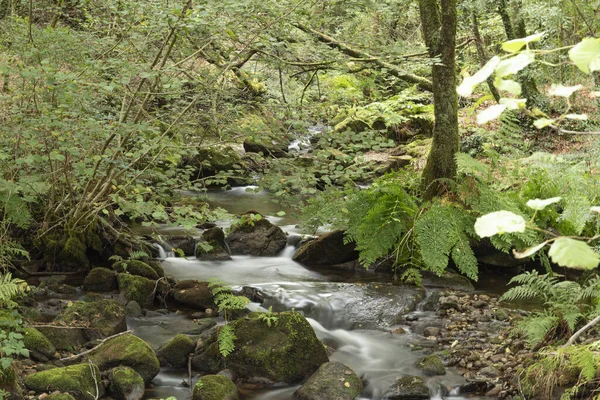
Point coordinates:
pixel 216 249
pixel 407 388
pixel 194 294
pixel 126 384
pixel 211 160
pixel 40 348
pixel 103 318
pixel 65 337
pixel 287 351
pixel 155 265
pixel 267 146
pixel 135 267
pixel 256 237
pixel 328 250
pixel 82 381
pixel 215 387
pixel 176 352
pixel 137 288
pixel 332 381
pixel 432 366
pixel 100 280
pixel 127 350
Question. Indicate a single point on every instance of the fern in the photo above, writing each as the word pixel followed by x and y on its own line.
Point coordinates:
pixel 226 340
pixel 10 289
pixel 441 233
pixel 138 255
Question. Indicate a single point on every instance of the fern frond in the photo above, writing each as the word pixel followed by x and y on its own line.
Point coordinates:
pixel 226 340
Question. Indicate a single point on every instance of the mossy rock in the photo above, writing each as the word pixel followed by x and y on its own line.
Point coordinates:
pixel 176 352
pixel 137 288
pixel 40 348
pixel 256 238
pixel 287 351
pixel 100 280
pixel 329 249
pixel 194 294
pixel 66 337
pixel 332 381
pixel 126 384
pixel 155 265
pixel 83 381
pixel 127 350
pixel 215 387
pixel 408 387
pixel 59 396
pixel 135 267
pixel 74 252
pixel 215 238
pixel 432 366
pixel 105 316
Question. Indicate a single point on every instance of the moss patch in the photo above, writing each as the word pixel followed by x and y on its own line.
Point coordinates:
pixel 136 267
pixel 105 315
pixel 125 384
pixel 38 345
pixel 432 365
pixel 176 352
pixel 215 387
pixel 100 280
pixel 77 380
pixel 136 288
pixel 127 350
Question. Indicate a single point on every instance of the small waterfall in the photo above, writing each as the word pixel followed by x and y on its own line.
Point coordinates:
pixel 288 252
pixel 162 253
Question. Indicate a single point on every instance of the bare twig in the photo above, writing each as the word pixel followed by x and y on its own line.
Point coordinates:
pixel 75 357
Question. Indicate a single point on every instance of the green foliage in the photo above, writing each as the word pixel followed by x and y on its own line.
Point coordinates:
pixel 10 289
pixel 227 303
pixel 269 317
pixel 566 304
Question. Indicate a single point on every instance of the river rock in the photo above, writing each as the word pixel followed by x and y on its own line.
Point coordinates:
pixel 83 381
pixel 447 280
pixel 211 160
pixel 287 351
pixel 215 387
pixel 332 381
pixel 407 388
pixel 126 384
pixel 176 352
pixel 215 238
pixel 327 250
pixel 127 350
pixel 155 265
pixel 135 267
pixel 59 396
pixel 187 244
pixel 136 288
pixel 100 280
pixel 105 316
pixel 133 309
pixel 194 294
pixel 267 147
pixel 432 366
pixel 40 348
pixel 256 238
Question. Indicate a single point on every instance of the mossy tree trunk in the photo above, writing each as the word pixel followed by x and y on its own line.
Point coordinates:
pixel 438 19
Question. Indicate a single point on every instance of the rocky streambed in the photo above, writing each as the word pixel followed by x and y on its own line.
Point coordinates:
pixel 146 329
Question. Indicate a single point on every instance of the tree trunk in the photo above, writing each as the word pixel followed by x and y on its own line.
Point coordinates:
pixel 439 32
pixel 483 58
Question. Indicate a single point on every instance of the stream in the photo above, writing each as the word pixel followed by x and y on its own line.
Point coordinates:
pixel 330 301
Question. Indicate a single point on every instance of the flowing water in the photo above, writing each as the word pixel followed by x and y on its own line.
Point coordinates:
pixel 329 300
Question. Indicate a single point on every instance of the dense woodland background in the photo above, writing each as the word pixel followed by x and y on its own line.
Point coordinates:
pixel 109 110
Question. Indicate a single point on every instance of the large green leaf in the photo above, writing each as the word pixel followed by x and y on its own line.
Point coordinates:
pixel 540 204
pixel 466 87
pixel 586 55
pixel 572 253
pixel 512 46
pixel 515 64
pixel 490 113
pixel 499 222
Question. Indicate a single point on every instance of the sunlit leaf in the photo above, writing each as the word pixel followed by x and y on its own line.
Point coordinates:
pixel 539 204
pixel 499 222
pixel 543 122
pixel 515 64
pixel 563 91
pixel 513 104
pixel 586 55
pixel 595 209
pixel 490 113
pixel 580 117
pixel 529 251
pixel 512 46
pixel 466 87
pixel 508 85
pixel 572 253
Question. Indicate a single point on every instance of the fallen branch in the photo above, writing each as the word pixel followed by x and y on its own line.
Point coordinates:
pixel 75 357
pixel 423 83
pixel 576 335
